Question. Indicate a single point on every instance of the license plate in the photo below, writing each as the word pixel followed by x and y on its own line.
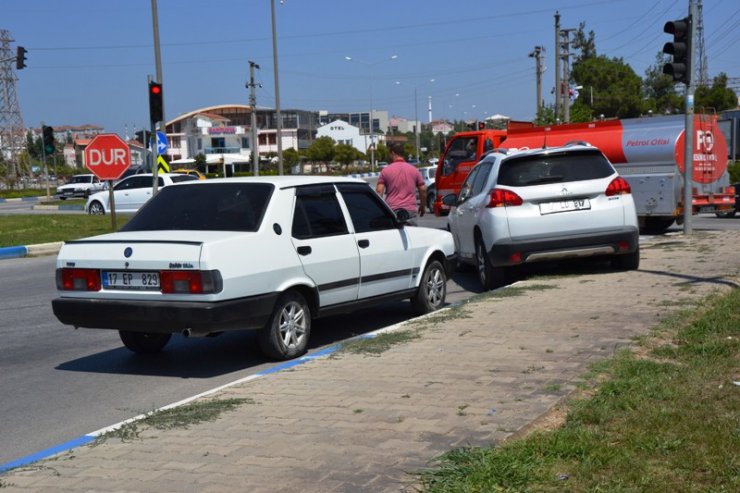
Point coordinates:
pixel 138 280
pixel 564 206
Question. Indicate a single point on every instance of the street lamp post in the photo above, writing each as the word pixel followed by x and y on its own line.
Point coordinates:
pixel 279 123
pixel 370 115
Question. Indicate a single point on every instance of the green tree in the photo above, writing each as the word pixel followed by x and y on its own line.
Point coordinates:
pixel 719 97
pixel 381 152
pixel 659 89
pixel 545 115
pixel 345 154
pixel 291 157
pixel 616 88
pixel 200 162
pixel 584 43
pixel 322 150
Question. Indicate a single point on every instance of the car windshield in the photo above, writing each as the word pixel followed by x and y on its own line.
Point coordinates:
pixel 206 207
pixel 553 168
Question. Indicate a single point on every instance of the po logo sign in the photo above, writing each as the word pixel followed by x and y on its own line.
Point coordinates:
pixel 704 141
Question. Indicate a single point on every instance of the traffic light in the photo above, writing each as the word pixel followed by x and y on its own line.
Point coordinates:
pixel 481 125
pixel 680 49
pixel 20 57
pixel 156 113
pixel 48 138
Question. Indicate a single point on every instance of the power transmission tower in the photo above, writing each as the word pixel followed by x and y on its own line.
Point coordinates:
pixel 702 77
pixel 12 131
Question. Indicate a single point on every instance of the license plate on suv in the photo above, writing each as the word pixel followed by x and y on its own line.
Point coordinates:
pixel 564 206
pixel 136 280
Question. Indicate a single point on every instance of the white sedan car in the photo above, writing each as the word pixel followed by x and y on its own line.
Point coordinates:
pixel 518 207
pixel 265 253
pixel 131 192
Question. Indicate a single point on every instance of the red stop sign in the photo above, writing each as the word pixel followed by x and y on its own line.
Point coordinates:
pixel 107 156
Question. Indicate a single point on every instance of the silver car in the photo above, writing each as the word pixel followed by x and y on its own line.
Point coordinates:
pixel 517 207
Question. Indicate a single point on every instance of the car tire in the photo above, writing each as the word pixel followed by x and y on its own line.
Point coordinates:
pixel 627 261
pixel 725 214
pixel 144 342
pixel 431 198
pixel 286 334
pixel 96 209
pixel 430 295
pixel 489 276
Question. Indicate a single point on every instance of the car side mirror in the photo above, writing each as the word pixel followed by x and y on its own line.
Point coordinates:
pixel 450 199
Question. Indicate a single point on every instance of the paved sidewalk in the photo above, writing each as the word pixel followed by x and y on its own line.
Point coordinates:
pixel 356 423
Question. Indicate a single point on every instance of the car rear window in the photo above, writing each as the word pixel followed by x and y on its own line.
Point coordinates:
pixel 204 207
pixel 553 168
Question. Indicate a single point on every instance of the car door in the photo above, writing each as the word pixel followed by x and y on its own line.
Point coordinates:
pixel 470 202
pixel 388 262
pixel 132 192
pixel 326 248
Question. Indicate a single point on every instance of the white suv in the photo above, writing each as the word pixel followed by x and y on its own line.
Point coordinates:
pixel 517 207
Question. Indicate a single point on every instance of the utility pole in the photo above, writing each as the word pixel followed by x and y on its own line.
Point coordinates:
pixel 12 133
pixel 565 34
pixel 253 103
pixel 537 54
pixel 558 89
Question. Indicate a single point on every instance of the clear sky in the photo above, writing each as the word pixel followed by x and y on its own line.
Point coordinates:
pixel 88 60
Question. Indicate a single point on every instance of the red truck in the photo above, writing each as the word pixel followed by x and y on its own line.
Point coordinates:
pixel 647 152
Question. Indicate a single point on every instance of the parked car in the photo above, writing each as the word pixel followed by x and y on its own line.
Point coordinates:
pixel 193 172
pixel 546 204
pixel 427 172
pixel 264 253
pixel 732 212
pixel 132 170
pixel 81 186
pixel 132 192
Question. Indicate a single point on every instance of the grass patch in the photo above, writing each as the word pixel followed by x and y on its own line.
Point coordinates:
pixel 375 346
pixel 28 229
pixel 26 192
pixel 177 417
pixel 664 422
pixel 511 291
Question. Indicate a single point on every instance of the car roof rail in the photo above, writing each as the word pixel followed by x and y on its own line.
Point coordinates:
pixel 577 143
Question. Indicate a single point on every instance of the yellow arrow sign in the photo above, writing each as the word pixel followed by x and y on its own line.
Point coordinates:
pixel 162 164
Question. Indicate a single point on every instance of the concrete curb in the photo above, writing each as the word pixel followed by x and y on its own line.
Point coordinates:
pixel 23 199
pixel 30 250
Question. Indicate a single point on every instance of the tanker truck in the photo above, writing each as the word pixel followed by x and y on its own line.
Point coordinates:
pixel 647 152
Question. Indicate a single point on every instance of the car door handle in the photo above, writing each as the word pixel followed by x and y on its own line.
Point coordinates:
pixel 363 243
pixel 304 250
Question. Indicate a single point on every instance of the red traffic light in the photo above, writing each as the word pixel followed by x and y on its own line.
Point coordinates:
pixel 156 104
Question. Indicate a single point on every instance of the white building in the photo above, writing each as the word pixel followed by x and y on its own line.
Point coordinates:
pixel 344 133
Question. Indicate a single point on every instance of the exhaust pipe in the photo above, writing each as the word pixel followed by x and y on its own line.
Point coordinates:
pixel 195 333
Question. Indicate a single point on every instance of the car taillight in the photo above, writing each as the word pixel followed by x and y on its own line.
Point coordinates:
pixel 190 281
pixel 618 186
pixel 500 197
pixel 78 279
pixel 731 190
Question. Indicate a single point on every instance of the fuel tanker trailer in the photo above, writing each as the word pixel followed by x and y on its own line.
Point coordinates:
pixel 649 153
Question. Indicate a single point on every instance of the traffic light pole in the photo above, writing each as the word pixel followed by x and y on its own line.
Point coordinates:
pixel 689 132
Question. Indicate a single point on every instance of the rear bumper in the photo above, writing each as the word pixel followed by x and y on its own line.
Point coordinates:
pixel 555 248
pixel 165 317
